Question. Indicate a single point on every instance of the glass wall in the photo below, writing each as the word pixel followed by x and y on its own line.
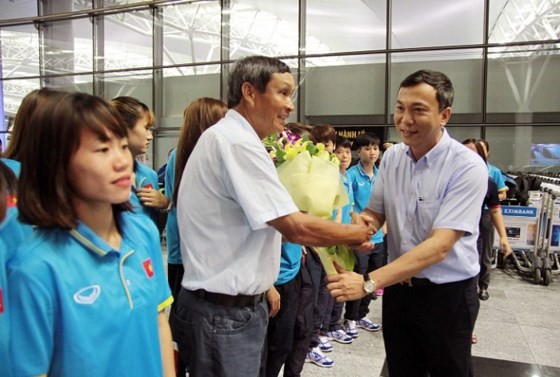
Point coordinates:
pixel 427 23
pixel 348 58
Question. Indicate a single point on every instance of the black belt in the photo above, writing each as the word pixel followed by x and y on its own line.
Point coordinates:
pixel 238 301
pixel 417 282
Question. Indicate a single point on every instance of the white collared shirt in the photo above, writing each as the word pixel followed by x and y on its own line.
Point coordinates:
pixel 443 189
pixel 229 191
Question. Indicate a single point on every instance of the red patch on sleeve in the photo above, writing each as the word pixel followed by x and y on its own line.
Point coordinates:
pixel 11 200
pixel 149 186
pixel 1 302
pixel 148 268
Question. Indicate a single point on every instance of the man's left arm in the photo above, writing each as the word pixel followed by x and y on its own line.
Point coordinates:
pixel 459 213
pixel 348 286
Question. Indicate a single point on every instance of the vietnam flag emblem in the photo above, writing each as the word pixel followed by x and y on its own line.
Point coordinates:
pixel 148 268
pixel 11 201
pixel 1 302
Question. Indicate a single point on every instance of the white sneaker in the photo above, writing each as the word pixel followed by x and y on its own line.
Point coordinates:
pixel 368 325
pixel 350 328
pixel 324 344
pixel 317 357
pixel 340 336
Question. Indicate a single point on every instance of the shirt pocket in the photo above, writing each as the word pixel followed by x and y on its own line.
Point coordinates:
pixel 427 211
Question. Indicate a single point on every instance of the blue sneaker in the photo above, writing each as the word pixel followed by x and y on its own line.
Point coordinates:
pixel 350 328
pixel 317 357
pixel 368 325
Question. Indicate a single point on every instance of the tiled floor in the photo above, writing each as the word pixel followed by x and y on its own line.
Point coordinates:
pixel 518 331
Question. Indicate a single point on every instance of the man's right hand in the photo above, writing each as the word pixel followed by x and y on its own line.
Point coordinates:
pixel 363 219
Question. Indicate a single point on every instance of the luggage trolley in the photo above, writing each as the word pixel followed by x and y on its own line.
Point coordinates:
pixel 551 230
pixel 522 228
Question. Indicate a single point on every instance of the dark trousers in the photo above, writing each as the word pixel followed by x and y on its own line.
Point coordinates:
pixel 321 295
pixel 289 332
pixel 331 320
pixel 365 262
pixel 175 274
pixel 486 243
pixel 174 277
pixel 427 330
pixel 216 340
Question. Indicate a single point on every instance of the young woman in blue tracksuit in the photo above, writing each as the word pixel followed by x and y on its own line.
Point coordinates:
pixel 12 234
pixel 146 197
pixel 88 289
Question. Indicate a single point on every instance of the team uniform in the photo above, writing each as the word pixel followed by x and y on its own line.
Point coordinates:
pixel 145 178
pixel 172 229
pixel 349 208
pixel 86 309
pixel 14 165
pixel 12 234
pixel 486 243
pixel 497 176
pixel 362 186
pixel 5 363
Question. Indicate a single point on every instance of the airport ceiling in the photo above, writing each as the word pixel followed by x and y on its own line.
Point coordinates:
pixel 328 31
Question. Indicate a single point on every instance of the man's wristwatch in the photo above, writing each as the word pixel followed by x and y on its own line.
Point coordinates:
pixel 369 285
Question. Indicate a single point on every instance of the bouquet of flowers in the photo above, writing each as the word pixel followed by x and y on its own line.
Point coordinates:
pixel 311 175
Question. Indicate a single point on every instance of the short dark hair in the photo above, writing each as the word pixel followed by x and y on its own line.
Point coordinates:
pixel 438 80
pixel 343 142
pixel 366 139
pixel 43 188
pixel 256 70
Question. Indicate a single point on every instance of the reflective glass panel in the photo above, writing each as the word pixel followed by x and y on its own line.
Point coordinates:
pixel 181 86
pixel 136 84
pixel 18 9
pixel 535 149
pixel 20 58
pixel 344 86
pixel 124 2
pixel 128 40
pixel 266 27
pixel 67 47
pixel 352 25
pixel 523 84
pixel 14 91
pixel 20 51
pixel 463 133
pixel 437 23
pixel 522 20
pixel 191 33
pixel 74 83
